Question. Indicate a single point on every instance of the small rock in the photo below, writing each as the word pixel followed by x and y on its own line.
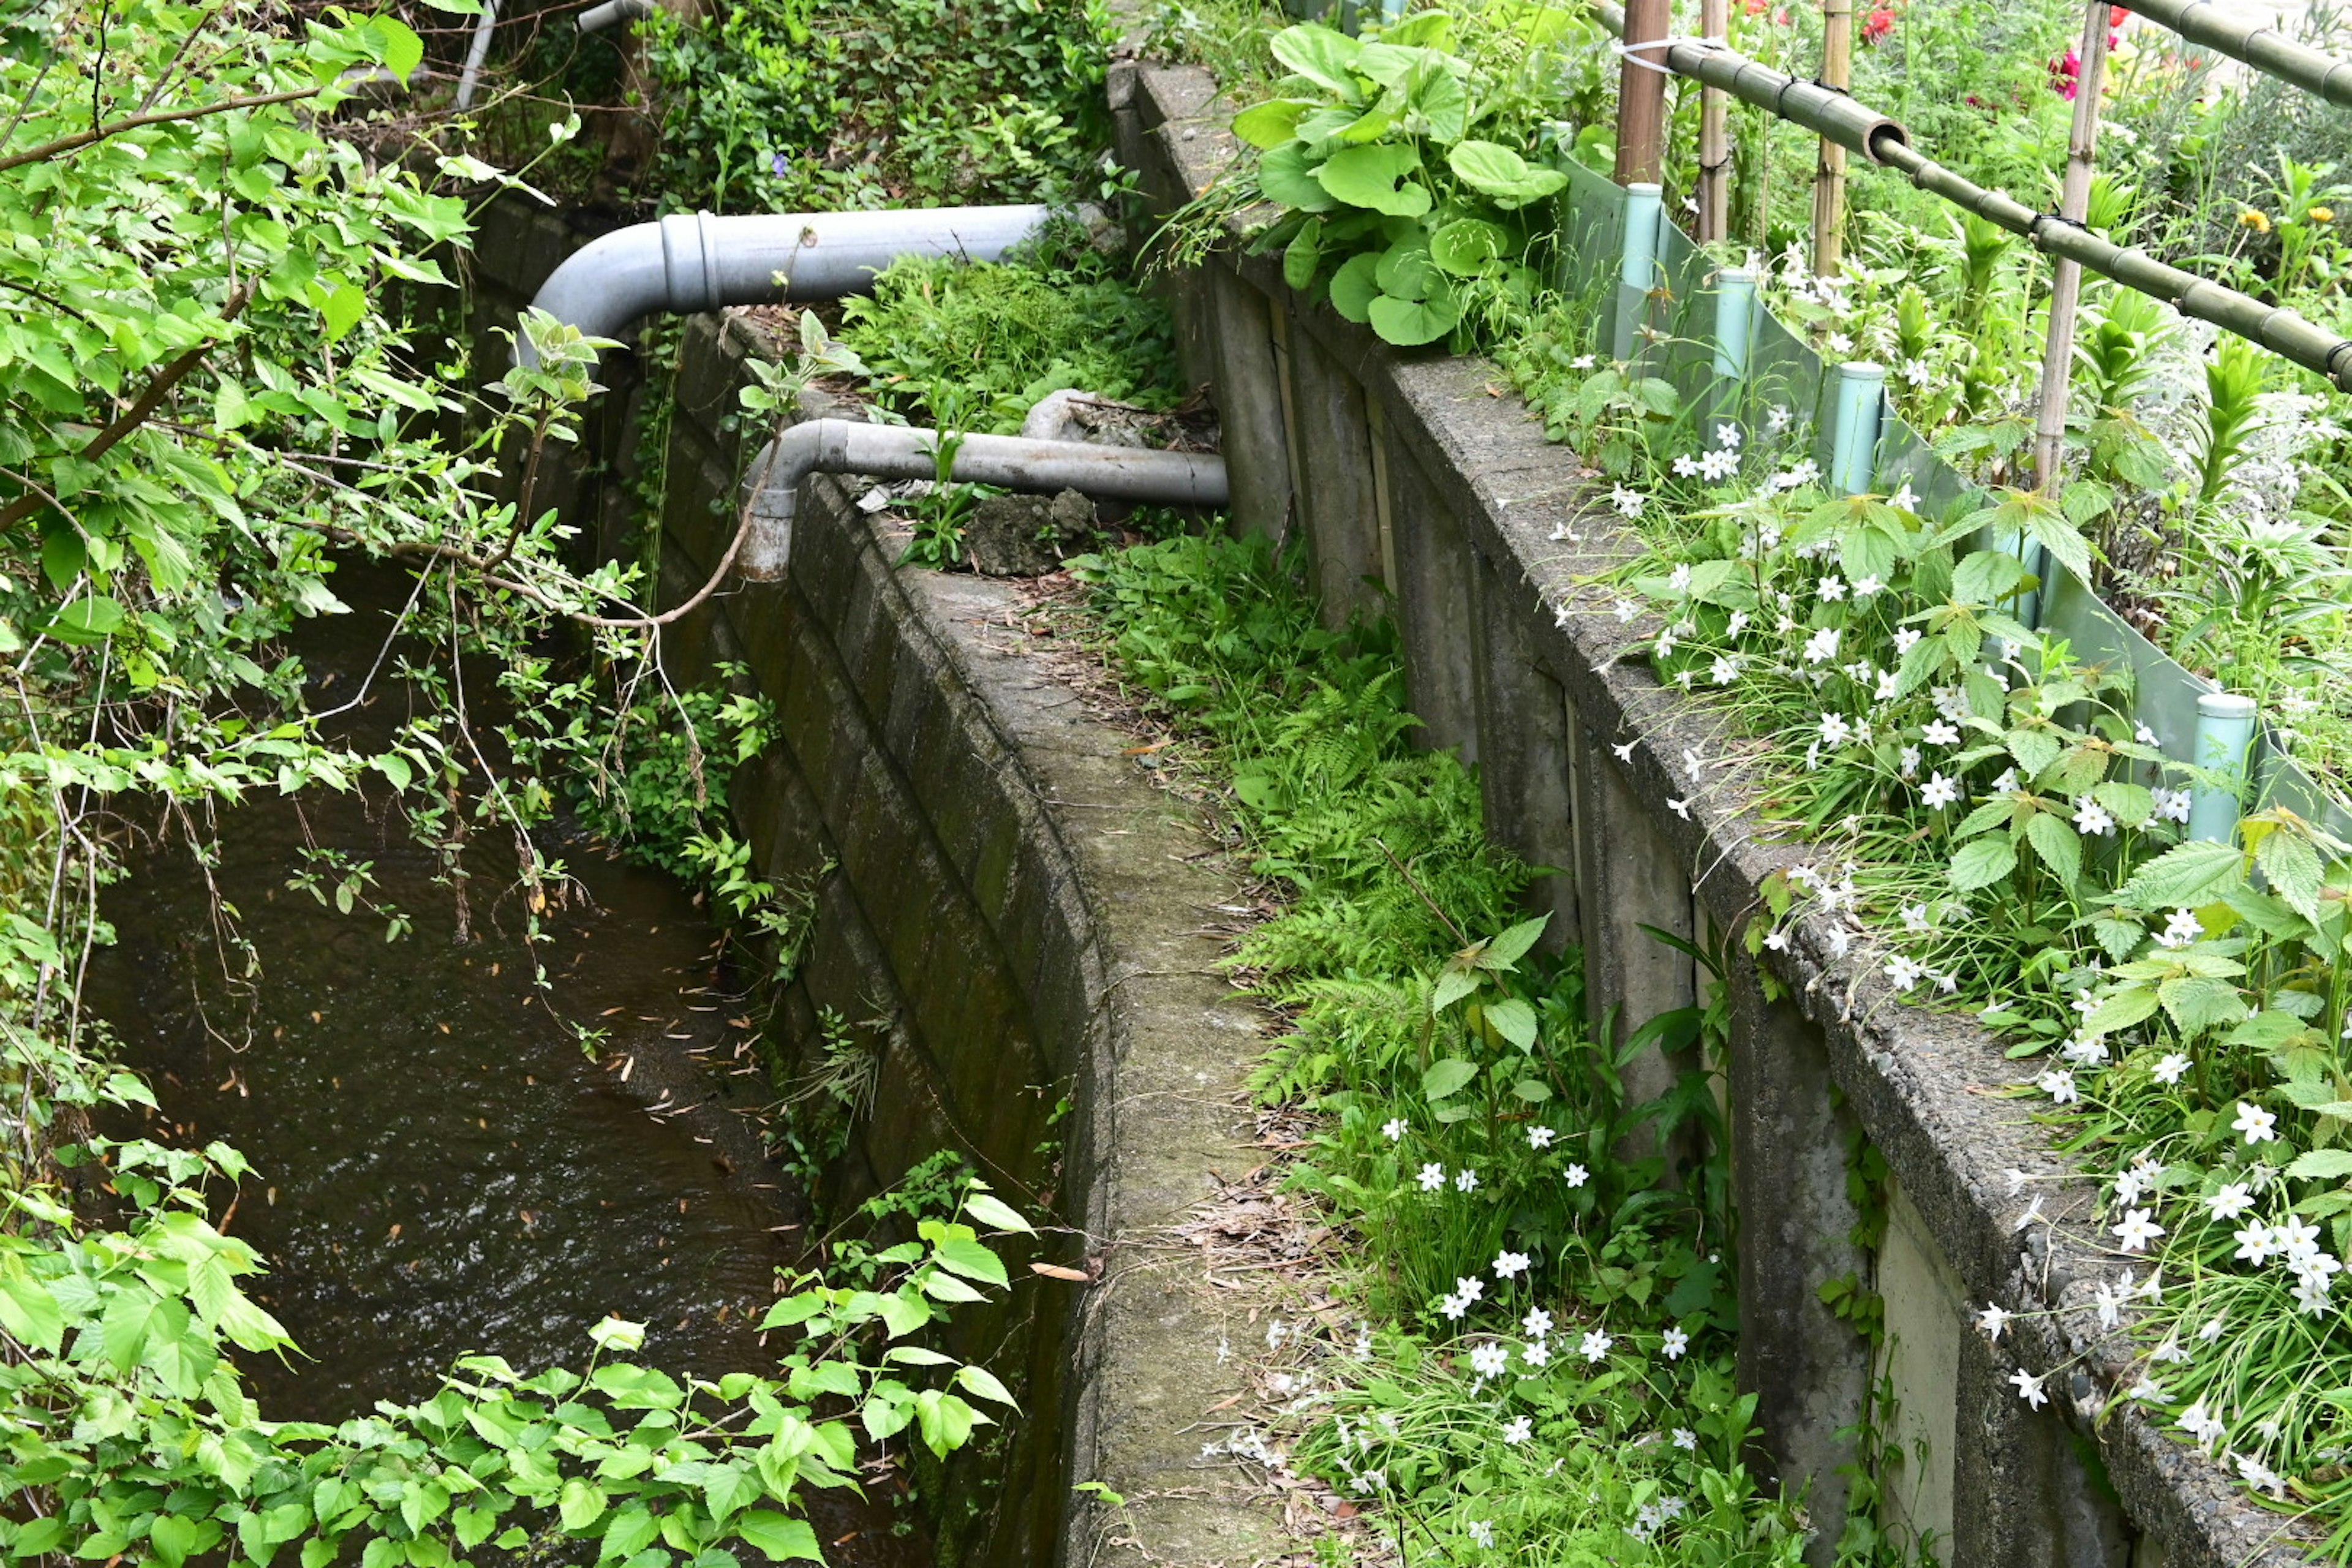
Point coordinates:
pixel 1025 536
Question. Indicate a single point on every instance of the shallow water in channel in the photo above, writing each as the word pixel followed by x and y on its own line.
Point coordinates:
pixel 440 1168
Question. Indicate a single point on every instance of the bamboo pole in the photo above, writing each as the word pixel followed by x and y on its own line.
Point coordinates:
pixel 1829 172
pixel 1642 93
pixel 2255 43
pixel 1713 134
pixel 2065 274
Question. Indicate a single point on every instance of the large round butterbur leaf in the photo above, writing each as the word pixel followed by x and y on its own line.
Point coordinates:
pixel 1417 303
pixel 1356 285
pixel 1324 57
pixel 1378 178
pixel 1409 323
pixel 1495 171
pixel 1467 247
pixel 1266 126
pixel 1287 177
pixel 1405 269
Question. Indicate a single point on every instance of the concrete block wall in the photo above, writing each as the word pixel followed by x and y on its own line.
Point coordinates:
pixel 1425 491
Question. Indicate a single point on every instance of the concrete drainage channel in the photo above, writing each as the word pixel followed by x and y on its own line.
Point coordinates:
pixel 1020 904
pixel 1015 904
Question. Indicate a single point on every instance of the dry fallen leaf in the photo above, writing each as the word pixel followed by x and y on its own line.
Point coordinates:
pixel 1055 1271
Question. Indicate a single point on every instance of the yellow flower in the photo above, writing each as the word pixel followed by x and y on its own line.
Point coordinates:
pixel 2323 215
pixel 2255 221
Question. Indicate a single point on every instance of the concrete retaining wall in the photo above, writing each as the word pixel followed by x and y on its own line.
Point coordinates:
pixel 1420 484
pixel 1012 918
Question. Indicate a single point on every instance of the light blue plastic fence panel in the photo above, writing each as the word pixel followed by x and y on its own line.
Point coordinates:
pixel 1593 241
pixel 2281 781
pixel 1783 373
pixel 2164 694
pixel 1905 458
pixel 1685 311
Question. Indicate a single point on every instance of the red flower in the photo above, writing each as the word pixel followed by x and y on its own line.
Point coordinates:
pixel 2066 75
pixel 2115 15
pixel 1881 23
pixel 1780 17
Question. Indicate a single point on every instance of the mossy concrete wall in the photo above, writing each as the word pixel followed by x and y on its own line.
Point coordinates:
pixel 1425 489
pixel 1009 913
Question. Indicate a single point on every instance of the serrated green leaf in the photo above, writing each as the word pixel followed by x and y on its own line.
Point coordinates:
pixel 1982 863
pixel 2325 1164
pixel 2185 876
pixel 2058 845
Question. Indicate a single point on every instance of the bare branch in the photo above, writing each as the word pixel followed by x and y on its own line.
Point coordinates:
pixel 81 139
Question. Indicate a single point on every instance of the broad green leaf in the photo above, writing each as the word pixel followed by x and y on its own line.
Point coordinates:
pixel 2292 867
pixel 580 1504
pixel 1377 179
pixel 1515 1021
pixel 993 1211
pixel 973 1259
pixel 173 1537
pixel 1446 1077
pixel 780 1538
pixel 2036 750
pixel 1322 56
pixel 1494 170
pixel 403 51
pixel 2198 1002
pixel 631 1531
pixel 1411 322
pixel 1452 986
pixel 2129 804
pixel 1505 951
pixel 1987 577
pixel 1287 175
pixel 1866 552
pixel 983 1383
pixel 1266 126
pixel 2324 1163
pixel 30 1312
pixel 1304 254
pixel 1355 286
pixel 1467 247
pixel 2125 1007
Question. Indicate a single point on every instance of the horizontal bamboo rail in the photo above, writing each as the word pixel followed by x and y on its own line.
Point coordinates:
pixel 2252 43
pixel 1819 109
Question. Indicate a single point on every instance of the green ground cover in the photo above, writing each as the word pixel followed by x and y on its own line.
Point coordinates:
pixel 1542 1368
pixel 1988 827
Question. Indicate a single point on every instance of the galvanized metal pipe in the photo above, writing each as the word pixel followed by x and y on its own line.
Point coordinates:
pixel 2254 43
pixel 898 452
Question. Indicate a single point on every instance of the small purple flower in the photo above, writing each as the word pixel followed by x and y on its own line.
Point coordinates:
pixel 779 165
